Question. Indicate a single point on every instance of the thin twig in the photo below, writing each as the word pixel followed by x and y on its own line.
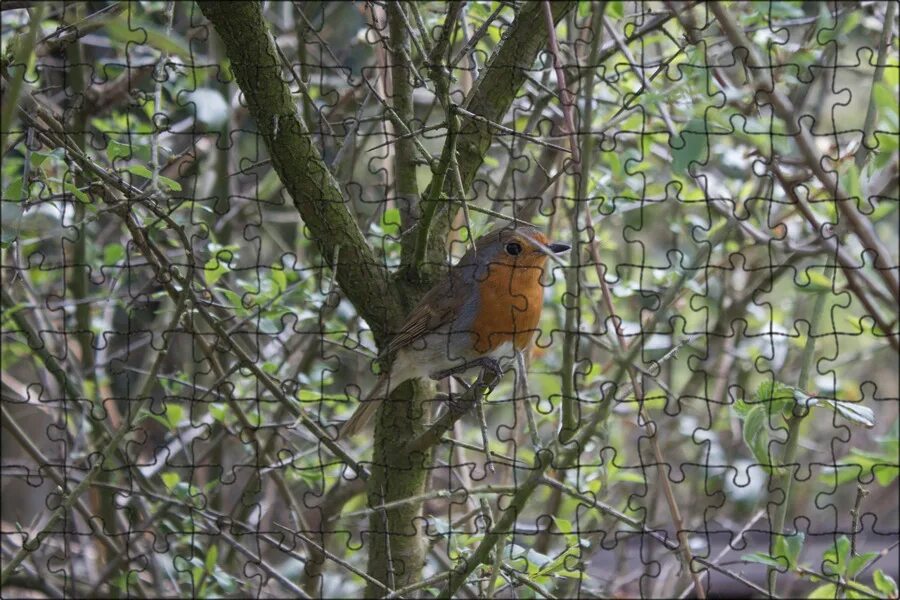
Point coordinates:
pixel 887 32
pixel 44 464
pixel 637 525
pixel 457 409
pixel 452 496
pixel 837 581
pixel 495 567
pixel 470 44
pixel 398 122
pixel 23 52
pixel 105 453
pixel 423 32
pixel 309 542
pixel 405 136
pixel 159 75
pixel 275 573
pixel 485 442
pixel 850 270
pixel 861 493
pixel 565 96
pixel 509 131
pixel 523 392
pixel 417 586
pixel 528 582
pixel 739 536
pixel 302 87
pixel 858 222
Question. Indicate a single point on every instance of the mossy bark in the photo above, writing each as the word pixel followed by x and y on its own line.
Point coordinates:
pixel 395 542
pixel 316 194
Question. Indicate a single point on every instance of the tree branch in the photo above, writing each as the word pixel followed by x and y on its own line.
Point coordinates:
pixel 317 196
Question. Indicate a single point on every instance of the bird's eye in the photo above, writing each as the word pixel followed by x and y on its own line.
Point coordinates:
pixel 514 248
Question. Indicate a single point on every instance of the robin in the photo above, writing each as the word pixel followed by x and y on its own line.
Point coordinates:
pixel 487 308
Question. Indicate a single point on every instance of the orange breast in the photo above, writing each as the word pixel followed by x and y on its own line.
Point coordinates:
pixel 511 299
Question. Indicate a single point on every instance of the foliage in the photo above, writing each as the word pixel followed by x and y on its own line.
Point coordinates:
pixel 167 279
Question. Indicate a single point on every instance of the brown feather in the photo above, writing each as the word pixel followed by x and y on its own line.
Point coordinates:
pixel 437 308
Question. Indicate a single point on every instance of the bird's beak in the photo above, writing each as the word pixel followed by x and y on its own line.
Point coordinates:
pixel 559 248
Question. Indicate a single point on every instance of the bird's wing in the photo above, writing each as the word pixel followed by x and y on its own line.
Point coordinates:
pixel 438 307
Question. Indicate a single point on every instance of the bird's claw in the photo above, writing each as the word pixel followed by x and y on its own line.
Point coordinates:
pixel 486 363
pixel 456 405
pixel 493 366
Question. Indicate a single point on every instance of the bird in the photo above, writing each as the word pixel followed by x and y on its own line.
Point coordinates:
pixel 487 308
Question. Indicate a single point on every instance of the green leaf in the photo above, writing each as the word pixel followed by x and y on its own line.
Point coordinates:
pixel 851 181
pixel 835 558
pixel 789 546
pixel 211 556
pixel 38 158
pixel 140 170
pixel 756 435
pixel 391 219
pixel 885 475
pixel 859 463
pixel 174 414
pixel 116 150
pixel 534 559
pixel 217 411
pixel 216 267
pixel 763 559
pixel 72 189
pixel 279 277
pixel 559 565
pixel 882 210
pixel 614 9
pixel 170 480
pixel 170 183
pixel 144 34
pixel 852 411
pixel 694 142
pixel 769 391
pixel 234 299
pixel 742 408
pixel 858 562
pixel 817 283
pixel 13 191
pixel 777 397
pixel 113 253
pixel 885 584
pixel 885 99
pixel 564 525
pixel 825 591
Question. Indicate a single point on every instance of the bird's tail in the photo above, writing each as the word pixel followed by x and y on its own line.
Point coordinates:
pixel 366 410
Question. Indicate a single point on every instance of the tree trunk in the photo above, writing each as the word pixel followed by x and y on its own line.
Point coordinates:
pixel 395 540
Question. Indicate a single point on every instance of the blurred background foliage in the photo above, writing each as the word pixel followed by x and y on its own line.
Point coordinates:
pixel 702 208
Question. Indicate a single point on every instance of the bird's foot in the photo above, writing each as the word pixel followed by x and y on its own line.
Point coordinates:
pixel 486 363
